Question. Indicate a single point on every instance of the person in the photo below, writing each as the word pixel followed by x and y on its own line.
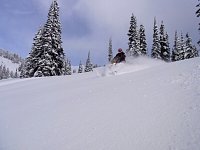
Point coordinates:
pixel 120 57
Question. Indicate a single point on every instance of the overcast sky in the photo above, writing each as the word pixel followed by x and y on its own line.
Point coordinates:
pixel 88 24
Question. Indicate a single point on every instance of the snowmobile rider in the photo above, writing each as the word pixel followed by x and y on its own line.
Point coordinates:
pixel 120 57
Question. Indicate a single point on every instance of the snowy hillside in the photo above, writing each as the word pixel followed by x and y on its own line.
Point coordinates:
pixel 146 105
pixel 9 64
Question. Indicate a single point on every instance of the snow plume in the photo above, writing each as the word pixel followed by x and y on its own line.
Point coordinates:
pixel 132 64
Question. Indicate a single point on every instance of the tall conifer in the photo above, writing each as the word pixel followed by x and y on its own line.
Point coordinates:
pixel 143 44
pixel 89 65
pixel 110 51
pixel 164 44
pixel 190 50
pixel 176 48
pixel 198 15
pixel 80 68
pixel 134 47
pixel 155 53
pixel 47 55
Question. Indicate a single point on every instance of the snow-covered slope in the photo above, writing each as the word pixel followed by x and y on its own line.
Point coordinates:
pixel 131 65
pixel 156 107
pixel 9 64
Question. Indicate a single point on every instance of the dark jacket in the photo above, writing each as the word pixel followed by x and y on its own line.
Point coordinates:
pixel 120 57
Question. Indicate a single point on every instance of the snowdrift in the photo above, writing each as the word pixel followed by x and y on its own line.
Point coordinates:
pixel 156 107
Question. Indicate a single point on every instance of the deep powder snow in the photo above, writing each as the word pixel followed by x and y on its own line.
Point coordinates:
pixel 145 105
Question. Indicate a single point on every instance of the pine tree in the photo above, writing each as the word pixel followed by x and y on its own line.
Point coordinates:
pixel 175 48
pixel 143 44
pixel 32 61
pixel 68 68
pixel 16 74
pixel 110 51
pixel 88 66
pixel 7 73
pixel 190 50
pixel 198 15
pixel 11 74
pixel 29 67
pixel 80 68
pixel 167 48
pixel 196 52
pixel 134 46
pixel 4 73
pixel 1 72
pixel 178 51
pixel 156 42
pixel 164 44
pixel 22 69
pixel 47 55
pixel 31 64
pixel 183 48
pixel 52 62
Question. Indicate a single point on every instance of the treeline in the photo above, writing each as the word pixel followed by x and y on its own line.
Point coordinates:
pixel 15 58
pixel 183 47
pixel 47 57
pixel 5 73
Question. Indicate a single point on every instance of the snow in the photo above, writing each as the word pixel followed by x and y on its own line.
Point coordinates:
pixel 147 104
pixel 131 65
pixel 9 64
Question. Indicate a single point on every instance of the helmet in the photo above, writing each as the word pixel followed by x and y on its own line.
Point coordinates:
pixel 119 50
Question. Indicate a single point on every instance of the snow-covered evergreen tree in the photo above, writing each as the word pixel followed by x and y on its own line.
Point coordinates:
pixel 168 48
pixel 198 9
pixel 22 69
pixel 182 48
pixel 32 61
pixel 88 66
pixel 155 53
pixel 196 52
pixel 110 51
pixel 131 33
pixel 198 15
pixel 1 72
pixel 15 58
pixel 68 68
pixel 164 44
pixel 180 52
pixel 143 44
pixel 7 73
pixel 176 48
pixel 47 56
pixel 11 74
pixel 4 72
pixel 190 50
pixel 30 66
pixel 134 46
pixel 16 74
pixel 80 68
